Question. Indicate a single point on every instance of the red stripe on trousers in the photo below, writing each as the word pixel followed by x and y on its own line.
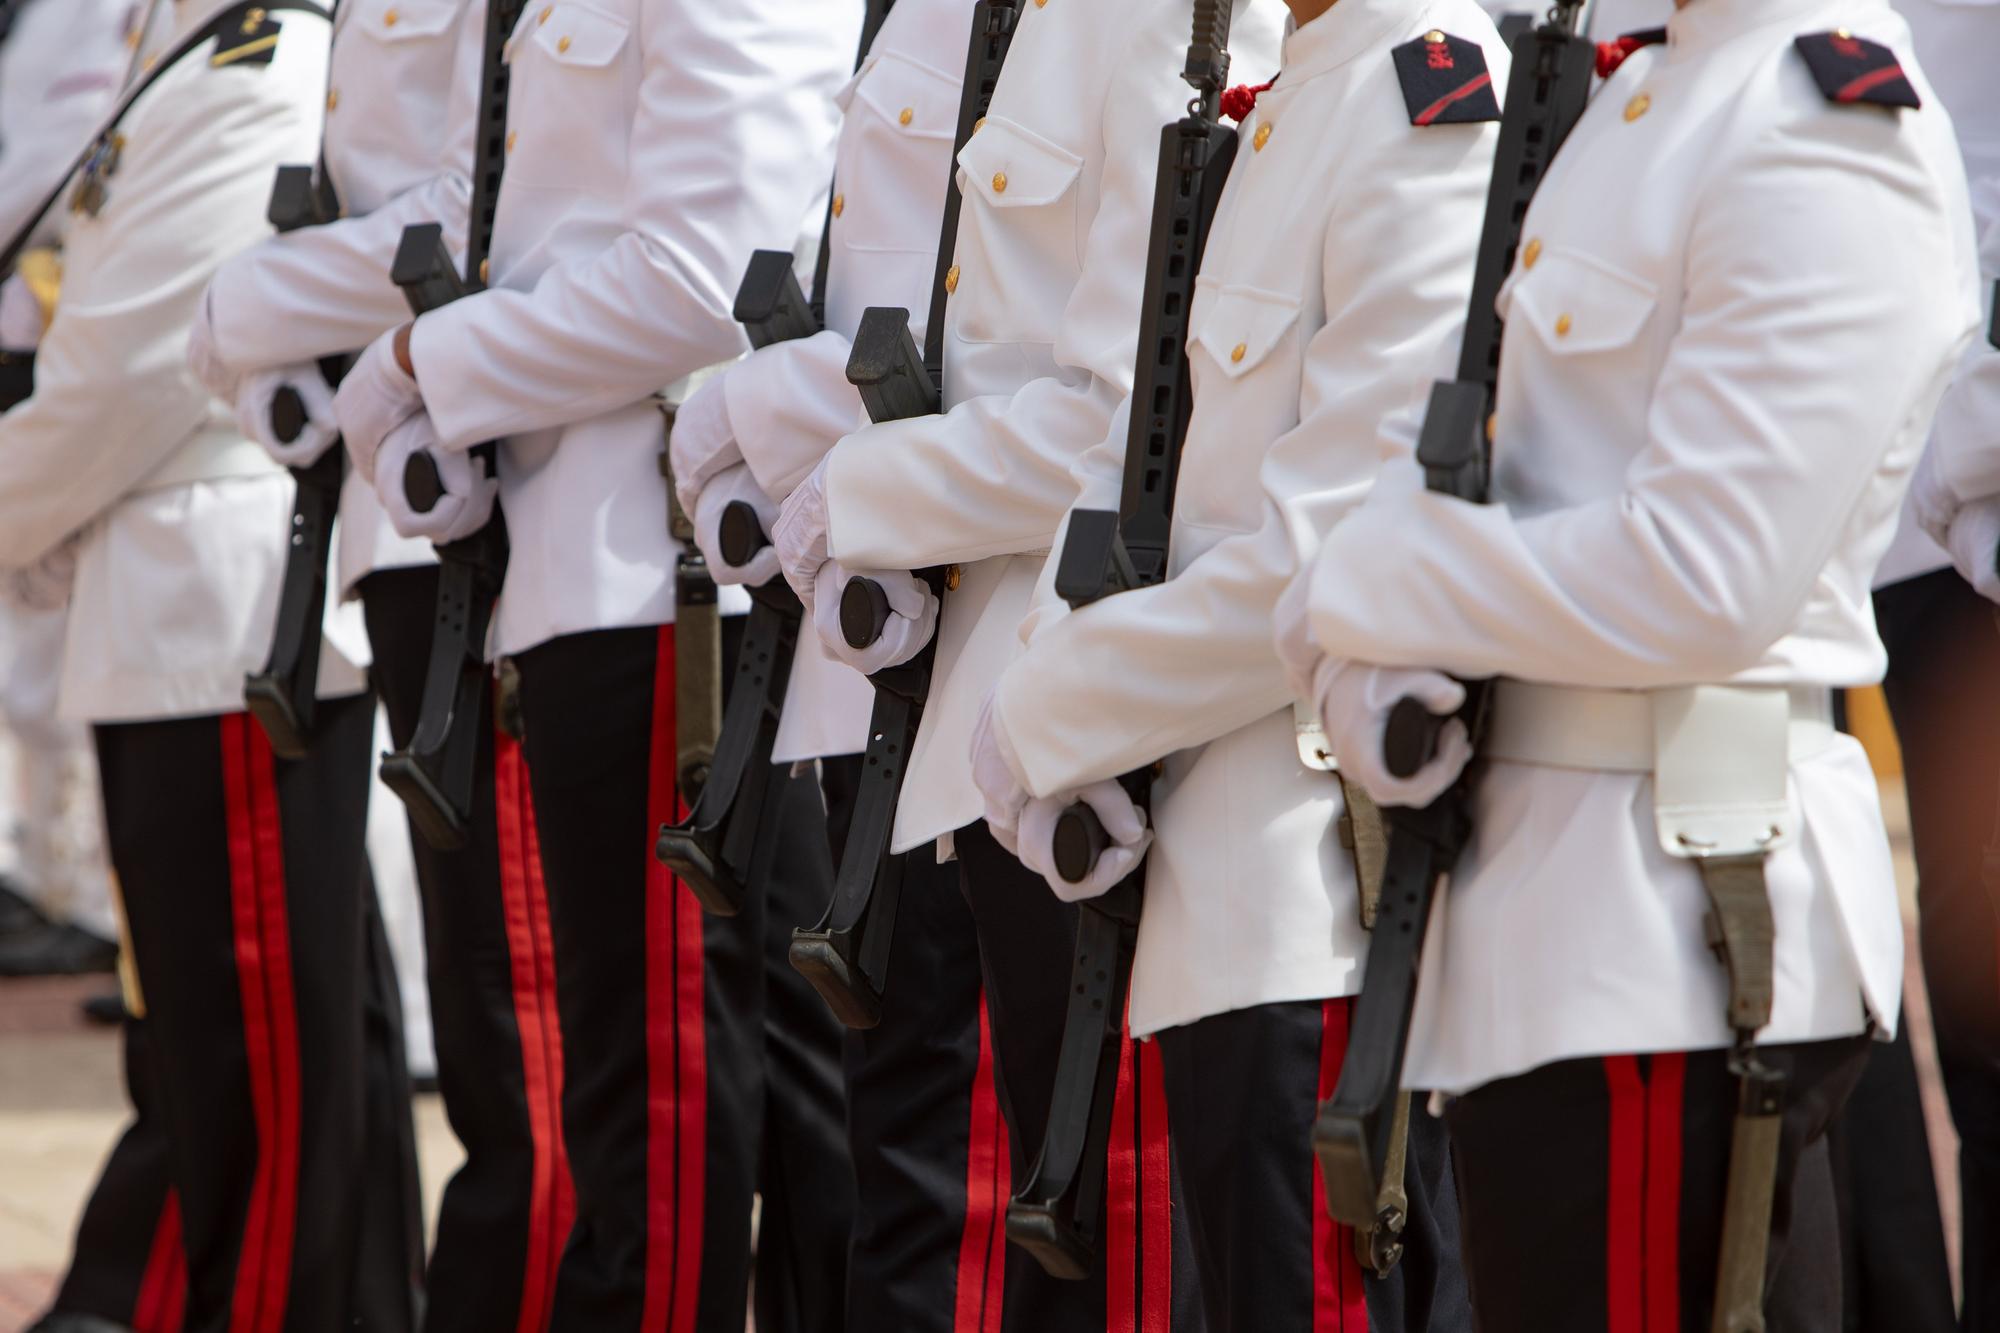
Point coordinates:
pixel 540 1082
pixel 1156 1222
pixel 1624 1216
pixel 552 1046
pixel 1138 1204
pixel 163 1287
pixel 270 1023
pixel 676 1050
pixel 1121 1171
pixel 1664 1090
pixel 1339 1303
pixel 982 1245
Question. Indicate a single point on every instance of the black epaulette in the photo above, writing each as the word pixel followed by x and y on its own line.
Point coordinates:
pixel 1852 70
pixel 249 36
pixel 1445 80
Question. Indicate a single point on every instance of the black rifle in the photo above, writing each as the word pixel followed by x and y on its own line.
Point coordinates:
pixel 846 954
pixel 711 849
pixel 284 696
pixel 17 378
pixel 1546 93
pixel 1054 1215
pixel 435 774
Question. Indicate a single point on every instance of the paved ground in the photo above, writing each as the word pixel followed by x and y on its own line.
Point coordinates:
pixel 61 1107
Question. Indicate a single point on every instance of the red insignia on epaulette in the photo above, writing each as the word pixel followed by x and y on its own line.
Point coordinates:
pixel 1854 70
pixel 1445 80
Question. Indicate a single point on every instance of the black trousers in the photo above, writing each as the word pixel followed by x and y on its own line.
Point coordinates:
pixel 243 885
pixel 699 1068
pixel 505 1213
pixel 1242 1090
pixel 923 1121
pixel 1944 657
pixel 1146 1280
pixel 1592 1192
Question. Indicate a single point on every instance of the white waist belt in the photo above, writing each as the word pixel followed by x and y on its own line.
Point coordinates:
pixel 1719 755
pixel 214 451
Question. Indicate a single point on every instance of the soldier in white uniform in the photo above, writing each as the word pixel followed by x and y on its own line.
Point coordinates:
pixel 1038 353
pixel 250 929
pixel 650 145
pixel 1337 264
pixel 401 110
pixel 923 1121
pixel 1714 382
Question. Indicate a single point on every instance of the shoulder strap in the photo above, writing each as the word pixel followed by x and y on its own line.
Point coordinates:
pixel 215 27
pixel 489 156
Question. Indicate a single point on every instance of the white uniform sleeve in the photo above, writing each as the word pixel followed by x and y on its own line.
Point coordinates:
pixel 1967 433
pixel 59 76
pixel 729 144
pixel 1806 346
pixel 993 476
pixel 113 395
pixel 788 403
pixel 1124 681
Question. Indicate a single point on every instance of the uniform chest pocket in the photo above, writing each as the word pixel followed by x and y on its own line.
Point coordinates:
pixel 895 148
pixel 1242 327
pixel 403 22
pixel 1018 238
pixel 569 115
pixel 1576 305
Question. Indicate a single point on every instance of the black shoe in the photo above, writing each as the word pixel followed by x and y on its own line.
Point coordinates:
pixel 56 951
pixel 18 915
pixel 105 1010
pixel 58 1321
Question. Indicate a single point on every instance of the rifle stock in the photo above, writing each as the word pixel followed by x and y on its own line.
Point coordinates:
pixel 1546 93
pixel 284 696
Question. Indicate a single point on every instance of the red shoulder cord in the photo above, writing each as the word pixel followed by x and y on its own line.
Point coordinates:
pixel 1240 101
pixel 1610 55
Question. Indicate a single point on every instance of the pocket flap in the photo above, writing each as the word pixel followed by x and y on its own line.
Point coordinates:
pixel 1012 167
pixel 1242 325
pixel 916 100
pixel 407 20
pixel 576 35
pixel 1576 304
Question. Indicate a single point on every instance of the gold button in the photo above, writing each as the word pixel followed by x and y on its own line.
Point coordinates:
pixel 951 280
pixel 1842 33
pixel 132 39
pixel 151 61
pixel 839 204
pixel 389 18
pixel 1238 352
pixel 1263 136
pixel 512 135
pixel 952 574
pixel 1041 4
pixel 1638 106
pixel 543 17
pixel 252 21
pixel 562 44
pixel 979 125
pixel 1563 326
pixel 1434 37
pixel 485 270
pixel 1492 426
pixel 999 182
pixel 908 114
pixel 332 98
pixel 1531 254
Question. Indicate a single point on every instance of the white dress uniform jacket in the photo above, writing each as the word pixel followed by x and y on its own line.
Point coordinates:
pixel 790 402
pixel 401 105
pixel 185 520
pixel 59 73
pixel 1039 343
pixel 653 144
pixel 1730 321
pixel 1338 263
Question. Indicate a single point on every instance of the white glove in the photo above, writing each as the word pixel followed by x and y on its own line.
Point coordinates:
pixel 1292 636
pixel 1121 819
pixel 726 488
pixel 44 585
pixel 1974 543
pixel 375 398
pixel 205 362
pixel 703 445
pixel 800 537
pixel 1355 700
pixel 468 496
pixel 20 316
pixel 253 413
pixel 913 614
pixel 1932 501
pixel 997 774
